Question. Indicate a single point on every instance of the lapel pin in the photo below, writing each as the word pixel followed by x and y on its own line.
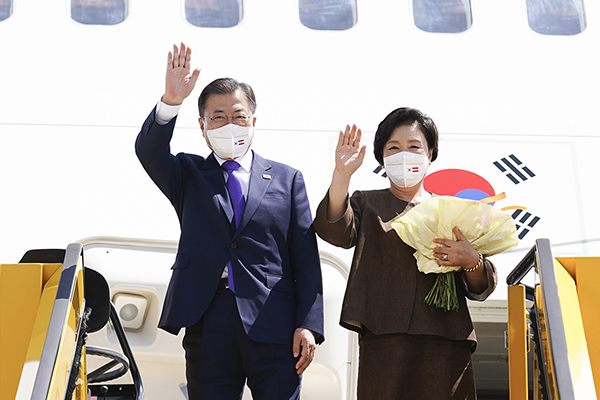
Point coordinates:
pixel 266 176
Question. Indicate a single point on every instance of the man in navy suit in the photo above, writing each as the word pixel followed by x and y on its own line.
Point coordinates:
pixel 246 282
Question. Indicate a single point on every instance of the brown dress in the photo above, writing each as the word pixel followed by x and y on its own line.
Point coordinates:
pixel 408 349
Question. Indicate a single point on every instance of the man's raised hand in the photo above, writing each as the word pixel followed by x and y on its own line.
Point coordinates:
pixel 179 81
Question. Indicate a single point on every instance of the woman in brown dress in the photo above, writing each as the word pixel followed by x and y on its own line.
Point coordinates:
pixel 408 349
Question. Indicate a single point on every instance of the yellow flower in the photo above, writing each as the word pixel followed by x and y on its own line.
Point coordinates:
pixel 489 230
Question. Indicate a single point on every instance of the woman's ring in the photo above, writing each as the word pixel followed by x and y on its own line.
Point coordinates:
pixel 445 257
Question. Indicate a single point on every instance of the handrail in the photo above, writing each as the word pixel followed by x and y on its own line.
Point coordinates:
pixel 554 319
pixel 133 367
pixel 58 319
pixel 540 257
pixel 524 266
pixel 519 272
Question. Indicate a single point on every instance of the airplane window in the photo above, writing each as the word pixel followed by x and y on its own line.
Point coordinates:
pixel 442 16
pixel 556 17
pixel 99 12
pixel 5 9
pixel 328 15
pixel 213 13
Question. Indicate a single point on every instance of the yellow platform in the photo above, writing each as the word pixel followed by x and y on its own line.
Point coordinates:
pixel 567 326
pixel 21 288
pixel 40 310
pixel 578 282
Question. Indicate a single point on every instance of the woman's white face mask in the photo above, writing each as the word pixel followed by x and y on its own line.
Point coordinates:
pixel 406 169
pixel 230 141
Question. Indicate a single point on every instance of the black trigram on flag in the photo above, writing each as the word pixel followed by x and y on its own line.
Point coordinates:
pixel 514 169
pixel 378 170
pixel 524 222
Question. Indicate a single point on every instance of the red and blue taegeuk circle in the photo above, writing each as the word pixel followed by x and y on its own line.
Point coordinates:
pixel 458 183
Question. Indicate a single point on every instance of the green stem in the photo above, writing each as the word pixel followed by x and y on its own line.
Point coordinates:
pixel 443 293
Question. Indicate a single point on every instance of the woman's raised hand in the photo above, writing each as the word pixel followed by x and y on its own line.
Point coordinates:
pixel 348 157
pixel 348 153
pixel 179 81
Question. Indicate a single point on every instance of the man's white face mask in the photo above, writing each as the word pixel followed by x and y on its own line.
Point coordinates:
pixel 230 141
pixel 406 169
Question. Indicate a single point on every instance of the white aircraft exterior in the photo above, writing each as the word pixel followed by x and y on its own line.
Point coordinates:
pixel 515 107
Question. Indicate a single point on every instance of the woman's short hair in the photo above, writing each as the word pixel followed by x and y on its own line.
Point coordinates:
pixel 400 117
pixel 225 86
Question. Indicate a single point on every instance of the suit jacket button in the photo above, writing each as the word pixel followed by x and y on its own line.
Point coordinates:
pixel 219 271
pixel 233 245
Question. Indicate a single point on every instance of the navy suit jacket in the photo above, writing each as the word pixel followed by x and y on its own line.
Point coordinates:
pixel 276 265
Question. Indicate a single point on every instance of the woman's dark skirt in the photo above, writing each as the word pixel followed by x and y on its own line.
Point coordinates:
pixel 414 367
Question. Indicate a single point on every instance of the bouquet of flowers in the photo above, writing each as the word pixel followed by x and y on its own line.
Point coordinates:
pixel 489 230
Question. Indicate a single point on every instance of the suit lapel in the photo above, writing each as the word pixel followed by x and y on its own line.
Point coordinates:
pixel 260 180
pixel 215 178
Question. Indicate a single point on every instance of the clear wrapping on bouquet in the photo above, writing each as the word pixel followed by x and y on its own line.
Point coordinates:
pixel 489 229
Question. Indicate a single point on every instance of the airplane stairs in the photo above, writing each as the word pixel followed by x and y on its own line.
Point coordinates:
pixel 561 315
pixel 48 303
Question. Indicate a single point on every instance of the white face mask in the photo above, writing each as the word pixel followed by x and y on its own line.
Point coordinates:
pixel 406 169
pixel 230 141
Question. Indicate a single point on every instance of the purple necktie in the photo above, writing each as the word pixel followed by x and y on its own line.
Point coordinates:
pixel 236 194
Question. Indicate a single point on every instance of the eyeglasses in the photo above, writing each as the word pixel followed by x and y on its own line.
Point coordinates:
pixel 220 120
